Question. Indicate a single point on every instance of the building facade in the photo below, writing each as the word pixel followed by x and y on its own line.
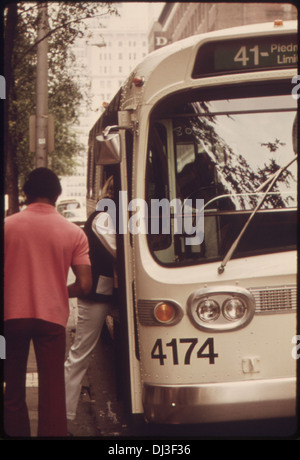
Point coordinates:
pixel 180 20
pixel 102 63
pixel 112 50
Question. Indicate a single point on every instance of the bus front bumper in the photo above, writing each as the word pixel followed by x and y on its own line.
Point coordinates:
pixel 220 402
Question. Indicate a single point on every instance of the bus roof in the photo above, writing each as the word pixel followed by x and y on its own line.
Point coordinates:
pixel 266 28
pixel 184 51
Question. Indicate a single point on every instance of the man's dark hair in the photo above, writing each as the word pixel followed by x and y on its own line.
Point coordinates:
pixel 42 183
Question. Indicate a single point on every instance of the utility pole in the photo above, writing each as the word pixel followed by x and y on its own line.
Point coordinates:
pixel 41 127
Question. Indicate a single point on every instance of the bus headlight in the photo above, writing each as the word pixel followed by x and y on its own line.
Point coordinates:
pixel 234 309
pixel 208 310
pixel 221 308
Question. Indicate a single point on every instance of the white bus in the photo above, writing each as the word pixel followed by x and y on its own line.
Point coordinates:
pixel 208 320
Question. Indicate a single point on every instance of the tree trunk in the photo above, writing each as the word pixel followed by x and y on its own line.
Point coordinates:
pixel 10 165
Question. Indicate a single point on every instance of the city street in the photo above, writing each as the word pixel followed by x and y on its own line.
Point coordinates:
pixel 169 132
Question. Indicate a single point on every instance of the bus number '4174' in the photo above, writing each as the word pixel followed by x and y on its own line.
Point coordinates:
pixel 205 351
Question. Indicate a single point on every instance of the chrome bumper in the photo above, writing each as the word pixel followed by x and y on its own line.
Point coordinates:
pixel 220 402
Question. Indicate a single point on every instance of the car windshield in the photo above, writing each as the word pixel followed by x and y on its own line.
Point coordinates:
pixel 224 147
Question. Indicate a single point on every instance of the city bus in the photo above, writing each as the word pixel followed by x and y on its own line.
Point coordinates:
pixel 202 142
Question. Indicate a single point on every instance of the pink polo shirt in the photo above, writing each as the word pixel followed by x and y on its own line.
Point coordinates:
pixel 40 245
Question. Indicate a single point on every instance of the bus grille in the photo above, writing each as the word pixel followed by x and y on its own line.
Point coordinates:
pixel 145 312
pixel 275 299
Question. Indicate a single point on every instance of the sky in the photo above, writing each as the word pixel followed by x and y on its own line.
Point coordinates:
pixel 139 15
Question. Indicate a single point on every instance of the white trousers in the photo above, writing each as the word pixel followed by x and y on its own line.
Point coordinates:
pixel 91 317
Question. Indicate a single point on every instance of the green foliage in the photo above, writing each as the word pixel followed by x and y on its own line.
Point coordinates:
pixel 67 21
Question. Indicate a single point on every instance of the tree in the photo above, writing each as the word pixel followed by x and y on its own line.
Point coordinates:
pixel 67 21
pixel 235 175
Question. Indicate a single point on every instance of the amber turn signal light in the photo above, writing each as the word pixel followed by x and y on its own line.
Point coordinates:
pixel 164 312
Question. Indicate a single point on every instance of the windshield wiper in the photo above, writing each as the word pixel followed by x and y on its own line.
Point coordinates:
pixel 271 180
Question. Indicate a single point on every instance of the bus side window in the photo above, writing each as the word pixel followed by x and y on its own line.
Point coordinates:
pixel 157 165
pixel 157 184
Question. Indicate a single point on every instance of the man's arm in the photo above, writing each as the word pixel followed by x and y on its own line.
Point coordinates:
pixel 83 282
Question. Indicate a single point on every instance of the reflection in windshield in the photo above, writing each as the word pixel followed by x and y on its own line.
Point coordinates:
pixel 236 150
pixel 226 152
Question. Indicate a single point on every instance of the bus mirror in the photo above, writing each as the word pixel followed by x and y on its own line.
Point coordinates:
pixel 108 147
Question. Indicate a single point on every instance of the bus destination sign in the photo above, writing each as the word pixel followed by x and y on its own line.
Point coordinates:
pixel 244 55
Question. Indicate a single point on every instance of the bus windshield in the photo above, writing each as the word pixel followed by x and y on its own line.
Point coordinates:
pixel 225 147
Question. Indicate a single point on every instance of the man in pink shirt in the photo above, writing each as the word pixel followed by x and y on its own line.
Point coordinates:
pixel 40 246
